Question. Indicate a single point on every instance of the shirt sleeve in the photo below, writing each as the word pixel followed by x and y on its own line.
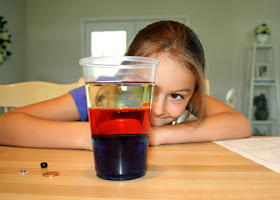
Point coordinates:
pixel 79 96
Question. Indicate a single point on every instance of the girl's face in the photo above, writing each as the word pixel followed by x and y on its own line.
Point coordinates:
pixel 174 87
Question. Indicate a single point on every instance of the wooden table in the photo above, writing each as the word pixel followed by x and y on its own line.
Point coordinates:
pixel 186 171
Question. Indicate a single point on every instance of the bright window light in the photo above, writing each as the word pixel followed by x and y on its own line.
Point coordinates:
pixel 108 43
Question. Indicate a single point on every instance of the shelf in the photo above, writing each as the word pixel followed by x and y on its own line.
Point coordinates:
pixel 264 122
pixel 264 82
pixel 263 46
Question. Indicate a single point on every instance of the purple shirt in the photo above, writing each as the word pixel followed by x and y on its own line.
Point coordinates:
pixel 79 96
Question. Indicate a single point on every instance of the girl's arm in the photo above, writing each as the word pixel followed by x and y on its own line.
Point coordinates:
pixel 48 124
pixel 220 122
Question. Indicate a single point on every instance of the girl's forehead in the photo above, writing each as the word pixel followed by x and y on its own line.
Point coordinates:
pixel 170 74
pixel 168 63
pixel 168 58
pixel 170 66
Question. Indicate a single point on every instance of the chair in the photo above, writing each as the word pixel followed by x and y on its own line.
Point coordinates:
pixel 207 86
pixel 26 93
pixel 231 98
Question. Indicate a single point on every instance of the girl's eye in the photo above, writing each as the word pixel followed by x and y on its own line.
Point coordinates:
pixel 176 96
pixel 101 98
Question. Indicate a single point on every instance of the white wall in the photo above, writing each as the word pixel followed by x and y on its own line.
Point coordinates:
pixel 225 28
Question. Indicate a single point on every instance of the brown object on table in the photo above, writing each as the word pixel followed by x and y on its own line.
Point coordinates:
pixel 50 174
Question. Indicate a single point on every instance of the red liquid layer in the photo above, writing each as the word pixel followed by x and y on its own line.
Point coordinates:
pixel 119 121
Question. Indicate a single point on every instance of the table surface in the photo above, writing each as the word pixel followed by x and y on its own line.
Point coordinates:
pixel 184 171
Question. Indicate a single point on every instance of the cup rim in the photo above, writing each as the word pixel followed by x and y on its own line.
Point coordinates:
pixel 106 61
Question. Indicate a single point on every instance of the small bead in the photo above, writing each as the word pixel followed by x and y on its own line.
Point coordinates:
pixel 44 165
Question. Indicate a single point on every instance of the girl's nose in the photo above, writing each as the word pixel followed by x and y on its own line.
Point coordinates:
pixel 158 107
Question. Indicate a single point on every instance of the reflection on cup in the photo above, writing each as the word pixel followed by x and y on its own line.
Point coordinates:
pixel 119 96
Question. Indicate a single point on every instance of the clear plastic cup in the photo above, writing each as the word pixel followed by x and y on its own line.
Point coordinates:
pixel 119 94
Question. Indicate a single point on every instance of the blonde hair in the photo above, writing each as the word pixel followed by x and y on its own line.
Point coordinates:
pixel 180 43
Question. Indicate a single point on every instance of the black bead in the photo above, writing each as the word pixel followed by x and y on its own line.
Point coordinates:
pixel 44 165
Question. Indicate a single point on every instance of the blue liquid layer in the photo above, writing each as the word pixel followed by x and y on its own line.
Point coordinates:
pixel 120 157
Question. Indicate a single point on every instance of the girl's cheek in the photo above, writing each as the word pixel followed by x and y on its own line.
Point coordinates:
pixel 176 111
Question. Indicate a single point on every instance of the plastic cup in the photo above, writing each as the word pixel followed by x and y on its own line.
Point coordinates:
pixel 119 94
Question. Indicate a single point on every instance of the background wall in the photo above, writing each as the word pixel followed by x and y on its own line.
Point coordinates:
pixel 53 35
pixel 13 70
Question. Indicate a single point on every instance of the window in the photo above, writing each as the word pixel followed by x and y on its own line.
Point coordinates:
pixel 108 43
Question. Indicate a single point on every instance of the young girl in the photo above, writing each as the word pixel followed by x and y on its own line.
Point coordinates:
pixel 179 86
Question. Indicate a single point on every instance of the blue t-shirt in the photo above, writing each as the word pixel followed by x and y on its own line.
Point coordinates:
pixel 79 96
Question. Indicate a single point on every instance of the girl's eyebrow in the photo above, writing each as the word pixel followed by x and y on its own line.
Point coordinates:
pixel 183 90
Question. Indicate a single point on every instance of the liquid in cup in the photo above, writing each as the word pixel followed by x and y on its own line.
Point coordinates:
pixel 119 116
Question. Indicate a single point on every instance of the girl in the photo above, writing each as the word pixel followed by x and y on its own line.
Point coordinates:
pixel 179 86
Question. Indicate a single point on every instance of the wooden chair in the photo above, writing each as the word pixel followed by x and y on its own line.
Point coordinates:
pixel 29 92
pixel 207 86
